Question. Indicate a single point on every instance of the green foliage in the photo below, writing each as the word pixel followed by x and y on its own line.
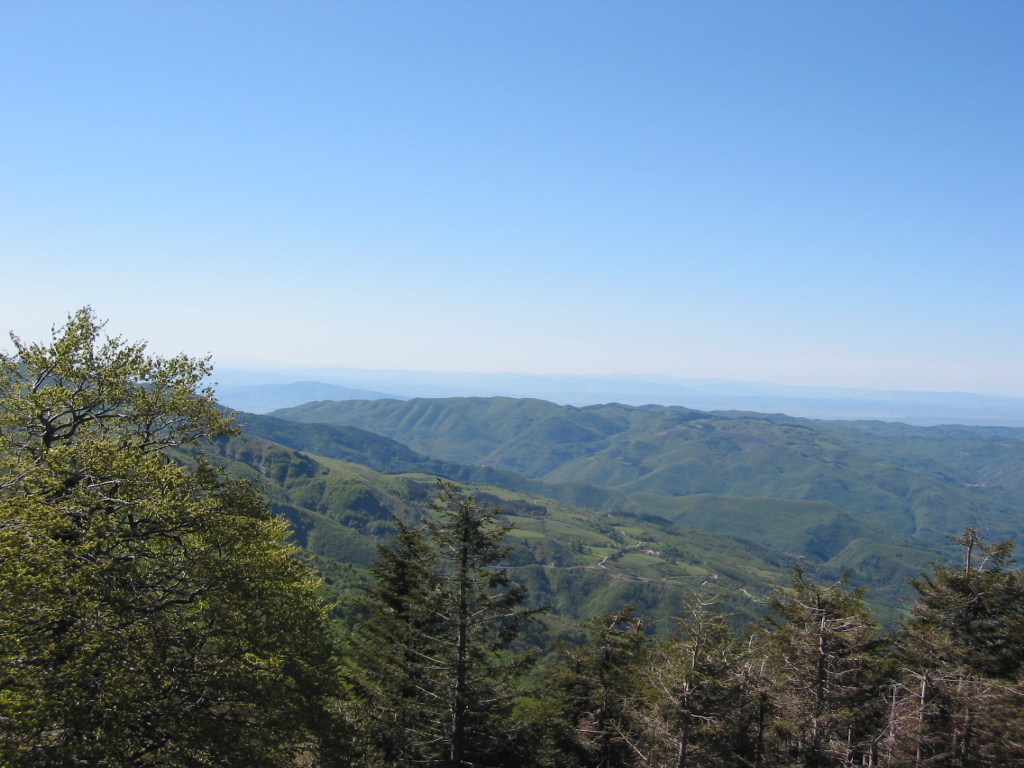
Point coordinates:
pixel 971 617
pixel 686 714
pixel 592 688
pixel 957 698
pixel 913 481
pixel 819 659
pixel 432 678
pixel 388 651
pixel 152 616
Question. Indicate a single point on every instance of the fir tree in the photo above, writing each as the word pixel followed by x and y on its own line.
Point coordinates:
pixel 819 656
pixel 593 685
pixel 389 652
pixel 971 617
pixel 437 666
pixel 957 699
pixel 683 715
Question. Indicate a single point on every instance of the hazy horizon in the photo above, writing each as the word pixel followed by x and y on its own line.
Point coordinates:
pixel 284 373
pixel 264 391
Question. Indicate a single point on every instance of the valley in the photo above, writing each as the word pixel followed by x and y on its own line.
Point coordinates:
pixel 615 504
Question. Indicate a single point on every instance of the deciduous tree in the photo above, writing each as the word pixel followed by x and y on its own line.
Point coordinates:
pixel 152 615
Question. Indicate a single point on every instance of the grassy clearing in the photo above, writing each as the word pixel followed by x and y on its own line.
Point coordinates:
pixel 638 558
pixel 523 533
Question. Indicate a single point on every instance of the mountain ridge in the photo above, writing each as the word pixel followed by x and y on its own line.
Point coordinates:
pixel 825 402
pixel 675 451
pixel 261 398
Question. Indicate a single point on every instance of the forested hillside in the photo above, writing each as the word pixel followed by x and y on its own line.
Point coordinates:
pixel 819 535
pixel 926 482
pixel 578 561
pixel 880 500
pixel 155 616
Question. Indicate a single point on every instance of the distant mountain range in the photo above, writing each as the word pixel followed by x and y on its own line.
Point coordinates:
pixel 262 391
pixel 261 398
pixel 648 504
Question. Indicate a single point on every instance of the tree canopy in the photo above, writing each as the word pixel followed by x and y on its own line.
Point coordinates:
pixel 152 613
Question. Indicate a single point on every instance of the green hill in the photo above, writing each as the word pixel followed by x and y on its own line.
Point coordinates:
pixel 764 492
pixel 925 482
pixel 340 510
pixel 780 524
pixel 977 457
pixel 580 561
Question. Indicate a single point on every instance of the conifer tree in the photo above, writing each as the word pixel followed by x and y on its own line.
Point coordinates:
pixel 683 714
pixel 957 699
pixel 973 616
pixel 593 686
pixel 390 651
pixel 819 656
pixel 437 667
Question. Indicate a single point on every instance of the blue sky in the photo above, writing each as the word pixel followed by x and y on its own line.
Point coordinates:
pixel 821 193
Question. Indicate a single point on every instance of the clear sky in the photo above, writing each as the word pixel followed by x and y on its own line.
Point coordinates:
pixel 820 193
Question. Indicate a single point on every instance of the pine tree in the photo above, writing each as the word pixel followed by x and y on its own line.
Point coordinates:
pixel 437 665
pixel 819 656
pixel 592 687
pixel 683 714
pixel 390 651
pixel 971 617
pixel 957 699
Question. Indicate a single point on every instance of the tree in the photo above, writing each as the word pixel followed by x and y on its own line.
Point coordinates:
pixel 820 656
pixel 957 698
pixel 593 687
pixel 152 615
pixel 971 617
pixel 431 663
pixel 684 711
pixel 389 653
